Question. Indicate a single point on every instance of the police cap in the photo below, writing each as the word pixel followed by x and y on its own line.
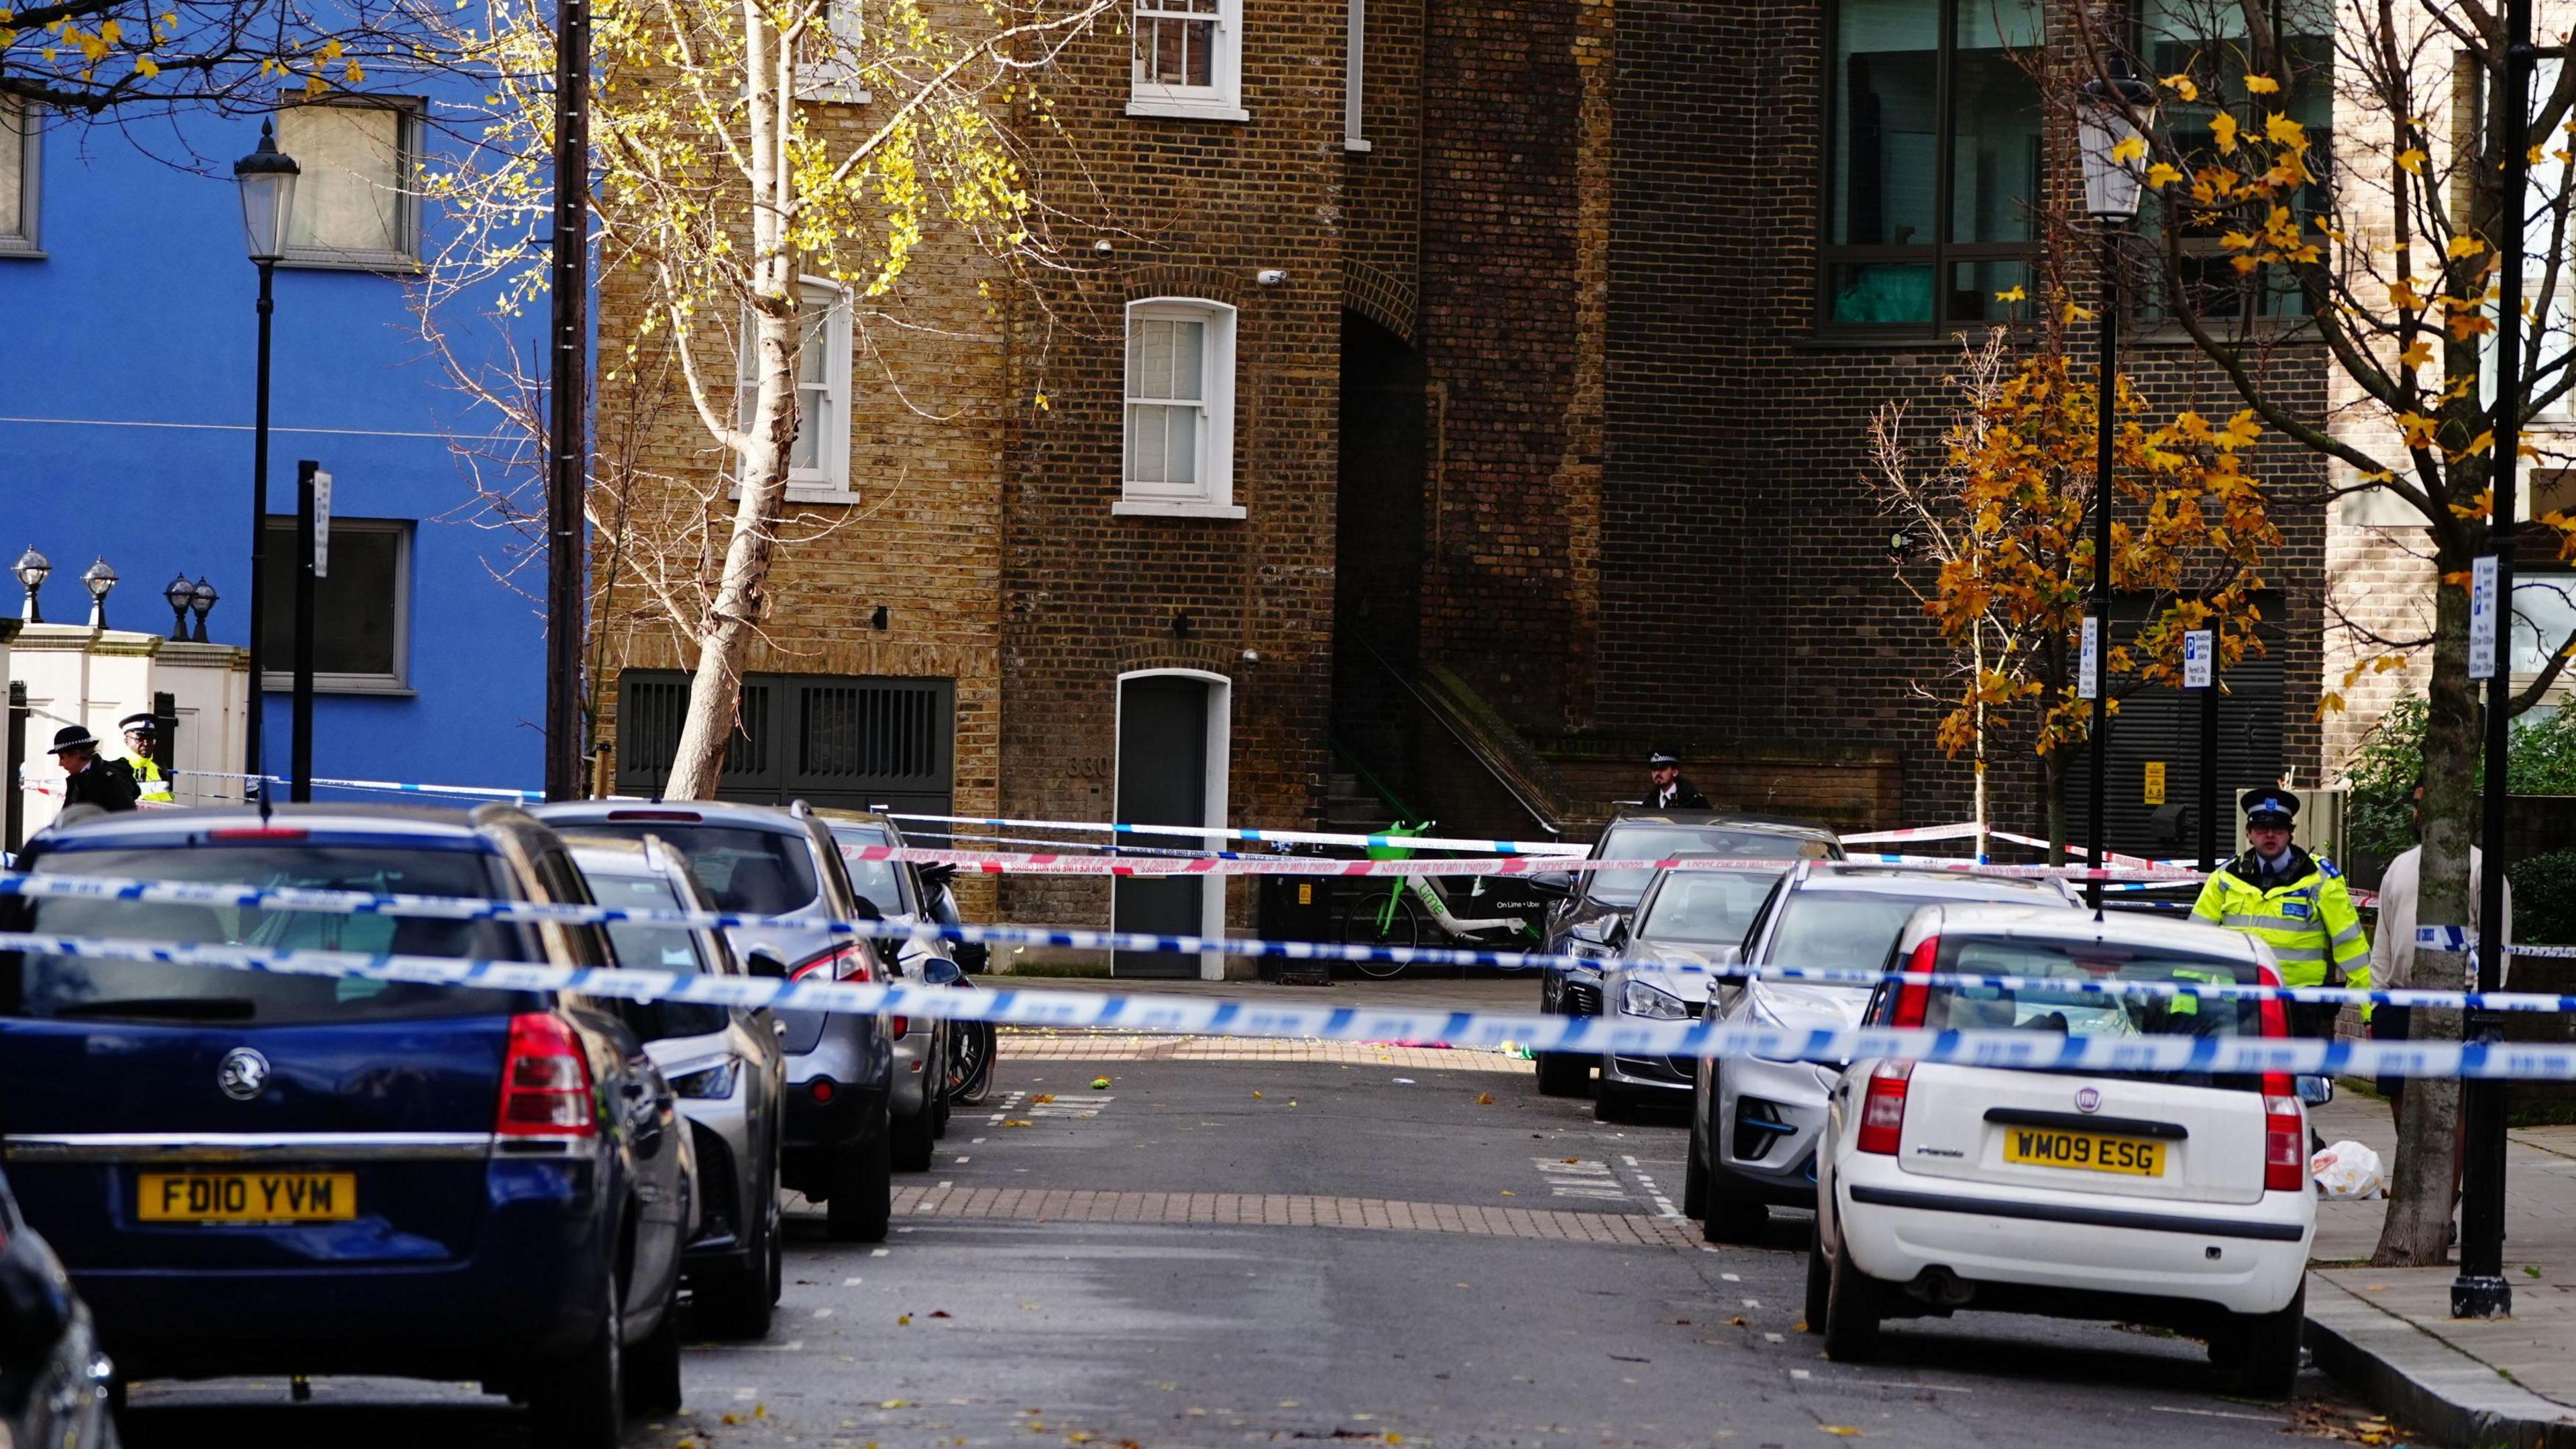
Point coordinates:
pixel 139 724
pixel 2270 805
pixel 1658 759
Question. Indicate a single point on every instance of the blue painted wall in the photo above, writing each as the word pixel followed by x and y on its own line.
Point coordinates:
pixel 126 385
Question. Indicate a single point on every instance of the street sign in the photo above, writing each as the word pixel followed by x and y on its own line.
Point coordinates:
pixel 321 525
pixel 2155 782
pixel 2088 668
pixel 2482 618
pixel 2199 659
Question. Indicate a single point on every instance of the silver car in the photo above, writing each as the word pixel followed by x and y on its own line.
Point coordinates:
pixel 1754 1122
pixel 1689 924
pixel 896 890
pixel 724 1064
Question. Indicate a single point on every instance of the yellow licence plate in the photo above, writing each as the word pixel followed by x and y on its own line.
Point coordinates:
pixel 2090 1151
pixel 247 1197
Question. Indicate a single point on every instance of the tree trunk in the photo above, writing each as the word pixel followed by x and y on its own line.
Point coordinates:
pixel 2415 1233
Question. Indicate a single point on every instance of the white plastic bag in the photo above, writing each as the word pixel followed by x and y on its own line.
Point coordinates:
pixel 2348 1172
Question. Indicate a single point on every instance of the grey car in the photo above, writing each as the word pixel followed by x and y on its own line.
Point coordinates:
pixel 897 891
pixel 766 861
pixel 1588 921
pixel 1755 1122
pixel 1688 926
pixel 725 1066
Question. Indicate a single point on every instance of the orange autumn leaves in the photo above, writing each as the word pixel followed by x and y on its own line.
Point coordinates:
pixel 2190 532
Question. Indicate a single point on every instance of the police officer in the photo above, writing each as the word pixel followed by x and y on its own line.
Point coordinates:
pixel 2294 902
pixel 142 745
pixel 89 780
pixel 1671 791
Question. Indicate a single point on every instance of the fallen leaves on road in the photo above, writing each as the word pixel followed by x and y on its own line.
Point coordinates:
pixel 1256 1096
pixel 895 1404
pixel 1041 1099
pixel 1844 1431
pixel 1019 1122
pixel 904 1322
pixel 1100 1084
pixel 1738 1321
pixel 2322 1420
pixel 939 1313
pixel 1484 1099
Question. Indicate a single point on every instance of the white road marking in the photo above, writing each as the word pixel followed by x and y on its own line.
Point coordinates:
pixel 2216 1414
pixel 1756 1302
pixel 745 1396
pixel 1582 1178
pixel 1731 1277
pixel 1773 1338
pixel 1800 1374
pixel 1892 1384
pixel 849 1282
pixel 961 1162
pixel 822 1313
pixel 877 1252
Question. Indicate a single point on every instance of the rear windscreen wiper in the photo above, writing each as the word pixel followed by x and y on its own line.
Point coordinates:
pixel 171 1008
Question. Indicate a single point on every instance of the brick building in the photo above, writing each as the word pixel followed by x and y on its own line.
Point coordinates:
pixel 1436 423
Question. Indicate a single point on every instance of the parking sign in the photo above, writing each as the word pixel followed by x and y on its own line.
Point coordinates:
pixel 2199 659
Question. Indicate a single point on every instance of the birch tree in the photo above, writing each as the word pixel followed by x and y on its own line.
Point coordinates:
pixel 2334 178
pixel 718 184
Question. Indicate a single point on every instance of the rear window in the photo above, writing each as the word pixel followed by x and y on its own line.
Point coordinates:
pixel 1663 842
pixel 1707 907
pixel 876 881
pixel 643 946
pixel 39 985
pixel 2072 1012
pixel 1844 930
pixel 755 872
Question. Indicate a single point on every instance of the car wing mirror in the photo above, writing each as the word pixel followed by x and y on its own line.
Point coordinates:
pixel 1551 882
pixel 940 971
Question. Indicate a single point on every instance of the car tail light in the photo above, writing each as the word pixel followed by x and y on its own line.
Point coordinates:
pixel 2285 1143
pixel 822 1089
pixel 903 1026
pixel 1913 998
pixel 845 962
pixel 1882 1111
pixel 545 1086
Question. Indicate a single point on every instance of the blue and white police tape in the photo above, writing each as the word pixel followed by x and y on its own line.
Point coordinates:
pixel 1277 837
pixel 395 787
pixel 2460 938
pixel 1627 1036
pixel 1015 862
pixel 460 908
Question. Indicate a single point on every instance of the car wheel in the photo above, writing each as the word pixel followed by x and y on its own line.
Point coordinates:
pixel 653 1366
pixel 861 1206
pixel 1729 1216
pixel 580 1402
pixel 1819 1281
pixel 1562 1074
pixel 737 1299
pixel 915 1139
pixel 1611 1102
pixel 1851 1311
pixel 2263 1348
pixel 1694 1178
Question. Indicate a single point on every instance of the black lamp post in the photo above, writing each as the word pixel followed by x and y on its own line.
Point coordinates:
pixel 2110 117
pixel 177 596
pixel 99 578
pixel 267 180
pixel 201 601
pixel 31 569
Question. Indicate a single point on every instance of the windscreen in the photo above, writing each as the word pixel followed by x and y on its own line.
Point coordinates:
pixel 1706 907
pixel 83 987
pixel 876 881
pixel 754 872
pixel 2071 1012
pixel 1843 930
pixel 1663 842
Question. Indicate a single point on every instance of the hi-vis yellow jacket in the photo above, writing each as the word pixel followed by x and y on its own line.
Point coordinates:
pixel 149 778
pixel 2307 920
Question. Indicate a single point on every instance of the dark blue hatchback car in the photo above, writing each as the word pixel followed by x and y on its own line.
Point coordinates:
pixel 286 1174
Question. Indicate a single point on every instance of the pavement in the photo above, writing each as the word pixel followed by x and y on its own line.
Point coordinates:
pixel 1248 1244
pixel 2389 1333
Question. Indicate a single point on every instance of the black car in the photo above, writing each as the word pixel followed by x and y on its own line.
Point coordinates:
pixel 53 1378
pixel 1591 917
pixel 286 1174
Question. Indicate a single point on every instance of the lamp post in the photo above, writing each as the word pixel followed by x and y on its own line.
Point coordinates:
pixel 267 180
pixel 31 569
pixel 201 602
pixel 99 578
pixel 177 596
pixel 2110 117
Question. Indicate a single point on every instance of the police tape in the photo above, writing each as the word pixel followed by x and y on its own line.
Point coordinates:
pixel 396 787
pixel 998 862
pixel 463 908
pixel 2460 938
pixel 1961 831
pixel 1149 1012
pixel 1275 837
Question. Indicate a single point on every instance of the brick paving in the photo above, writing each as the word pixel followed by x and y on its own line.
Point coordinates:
pixel 1290 1210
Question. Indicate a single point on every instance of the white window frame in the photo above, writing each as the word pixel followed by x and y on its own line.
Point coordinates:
pixel 408 131
pixel 29 124
pixel 1221 100
pixel 276 680
pixel 1213 497
pixel 829 480
pixel 834 74
pixel 1355 77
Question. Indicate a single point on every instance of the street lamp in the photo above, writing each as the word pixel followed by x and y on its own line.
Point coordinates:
pixel 267 180
pixel 177 596
pixel 31 569
pixel 201 601
pixel 98 578
pixel 2111 113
